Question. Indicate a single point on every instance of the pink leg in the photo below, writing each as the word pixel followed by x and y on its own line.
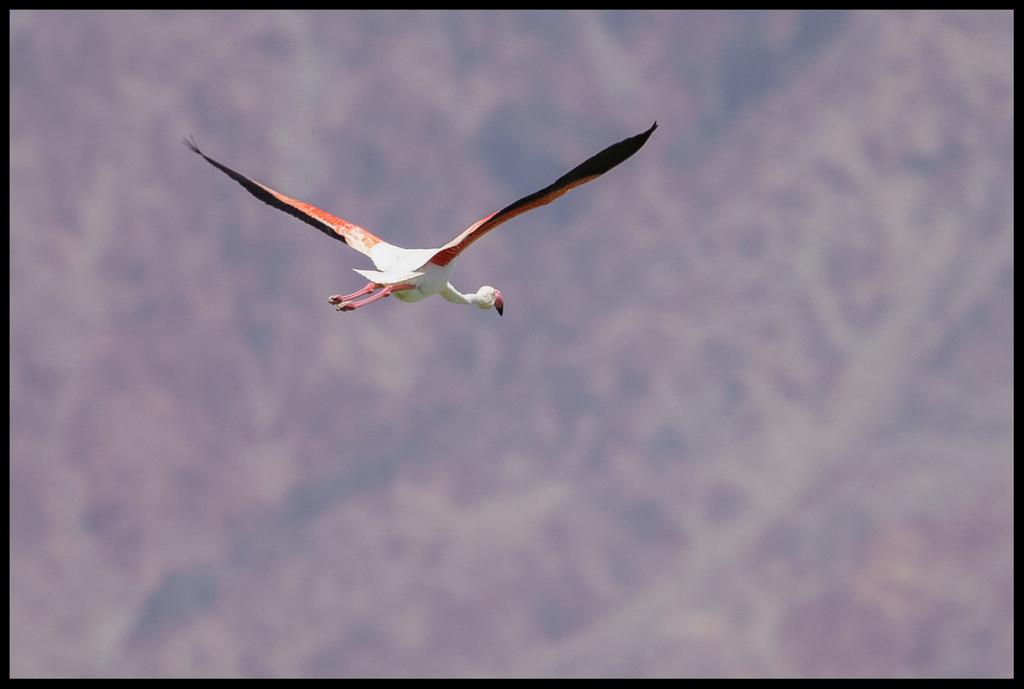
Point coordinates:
pixel 338 298
pixel 384 293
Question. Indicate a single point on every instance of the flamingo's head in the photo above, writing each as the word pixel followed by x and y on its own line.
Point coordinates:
pixel 490 297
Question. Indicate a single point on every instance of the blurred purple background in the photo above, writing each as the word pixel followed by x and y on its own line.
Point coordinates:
pixel 749 411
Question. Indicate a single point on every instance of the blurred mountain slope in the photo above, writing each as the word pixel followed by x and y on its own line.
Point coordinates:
pixel 749 411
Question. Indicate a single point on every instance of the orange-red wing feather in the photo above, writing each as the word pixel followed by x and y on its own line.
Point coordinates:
pixel 338 228
pixel 590 169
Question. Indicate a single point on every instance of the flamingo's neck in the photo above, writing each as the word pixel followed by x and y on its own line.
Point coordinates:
pixel 476 300
pixel 456 297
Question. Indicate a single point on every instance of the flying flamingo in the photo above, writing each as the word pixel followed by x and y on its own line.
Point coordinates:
pixel 415 274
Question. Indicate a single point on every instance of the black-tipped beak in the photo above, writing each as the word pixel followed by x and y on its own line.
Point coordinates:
pixel 499 304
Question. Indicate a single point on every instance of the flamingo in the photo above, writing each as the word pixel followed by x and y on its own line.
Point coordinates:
pixel 415 274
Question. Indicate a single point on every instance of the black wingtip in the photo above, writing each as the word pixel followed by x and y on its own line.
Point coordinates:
pixel 190 142
pixel 598 164
pixel 637 142
pixel 634 143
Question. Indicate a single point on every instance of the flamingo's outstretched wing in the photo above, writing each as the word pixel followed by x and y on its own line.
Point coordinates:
pixel 356 237
pixel 590 169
